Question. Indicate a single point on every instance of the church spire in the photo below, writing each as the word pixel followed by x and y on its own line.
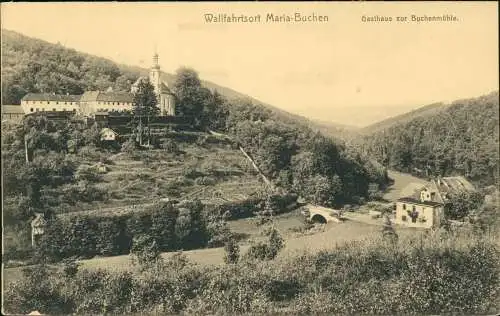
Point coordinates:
pixel 155 60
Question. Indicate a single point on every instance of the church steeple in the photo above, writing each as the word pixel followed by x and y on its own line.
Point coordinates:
pixel 154 74
pixel 155 61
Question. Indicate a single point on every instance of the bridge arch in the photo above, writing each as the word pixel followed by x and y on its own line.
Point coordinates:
pixel 318 218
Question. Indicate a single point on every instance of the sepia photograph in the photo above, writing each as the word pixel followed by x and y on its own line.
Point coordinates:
pixel 270 158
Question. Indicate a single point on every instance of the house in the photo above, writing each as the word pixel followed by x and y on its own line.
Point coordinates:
pixel 107 134
pixel 94 103
pixel 413 212
pixel 37 228
pixel 420 205
pixel 166 99
pixel 49 102
pixel 12 113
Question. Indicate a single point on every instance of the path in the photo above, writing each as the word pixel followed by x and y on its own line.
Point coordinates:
pixel 401 180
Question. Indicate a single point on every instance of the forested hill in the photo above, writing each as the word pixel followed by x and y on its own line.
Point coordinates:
pixel 34 65
pixel 461 139
pixel 426 110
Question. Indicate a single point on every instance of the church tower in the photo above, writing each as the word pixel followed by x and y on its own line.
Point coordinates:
pixel 154 74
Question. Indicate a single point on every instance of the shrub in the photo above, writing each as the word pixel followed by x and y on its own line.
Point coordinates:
pixel 205 181
pixel 87 173
pixel 269 251
pixel 169 145
pixel 231 251
pixel 145 251
pixel 129 146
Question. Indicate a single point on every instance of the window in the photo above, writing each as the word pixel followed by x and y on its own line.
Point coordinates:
pixel 57 102
pixel 403 218
pixel 414 208
pixel 64 109
pixel 404 206
pixel 37 109
pixel 54 109
pixel 48 102
pixel 31 110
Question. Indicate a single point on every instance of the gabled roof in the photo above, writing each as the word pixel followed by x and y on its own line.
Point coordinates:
pixel 115 97
pixel 107 129
pixel 12 109
pixel 458 183
pixel 51 97
pixel 38 221
pixel 165 89
pixel 90 96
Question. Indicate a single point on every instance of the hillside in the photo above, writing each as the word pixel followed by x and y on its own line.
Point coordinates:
pixel 426 110
pixel 461 138
pixel 34 65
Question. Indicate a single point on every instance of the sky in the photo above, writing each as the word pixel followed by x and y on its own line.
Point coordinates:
pixel 343 70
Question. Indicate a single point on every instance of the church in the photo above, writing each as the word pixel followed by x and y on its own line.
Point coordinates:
pixel 91 103
pixel 166 99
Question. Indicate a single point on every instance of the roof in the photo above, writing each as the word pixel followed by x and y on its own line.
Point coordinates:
pixel 38 221
pixel 458 183
pixel 51 97
pixel 107 96
pixel 411 200
pixel 115 96
pixel 107 129
pixel 12 109
pixel 164 88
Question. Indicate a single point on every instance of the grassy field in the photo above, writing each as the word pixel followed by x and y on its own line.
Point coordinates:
pixel 329 236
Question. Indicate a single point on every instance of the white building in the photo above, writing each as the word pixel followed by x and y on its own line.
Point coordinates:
pixel 166 99
pixel 107 134
pixel 92 102
pixel 46 102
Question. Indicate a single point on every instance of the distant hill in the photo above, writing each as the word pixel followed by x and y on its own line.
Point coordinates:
pixel 34 65
pixel 461 138
pixel 426 110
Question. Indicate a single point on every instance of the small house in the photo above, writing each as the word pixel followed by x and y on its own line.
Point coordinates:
pixel 38 225
pixel 423 207
pixel 107 134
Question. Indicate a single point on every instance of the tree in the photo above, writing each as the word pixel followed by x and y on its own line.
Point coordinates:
pixel 276 243
pixel 145 108
pixel 388 231
pixel 231 251
pixel 191 96
pixel 145 251
pixel 462 203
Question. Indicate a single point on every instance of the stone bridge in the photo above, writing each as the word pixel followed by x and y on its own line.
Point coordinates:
pixel 322 214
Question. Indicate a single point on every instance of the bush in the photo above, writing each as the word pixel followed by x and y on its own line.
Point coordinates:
pixel 231 251
pixel 269 251
pixel 129 146
pixel 145 251
pixel 443 273
pixel 169 145
pixel 205 181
